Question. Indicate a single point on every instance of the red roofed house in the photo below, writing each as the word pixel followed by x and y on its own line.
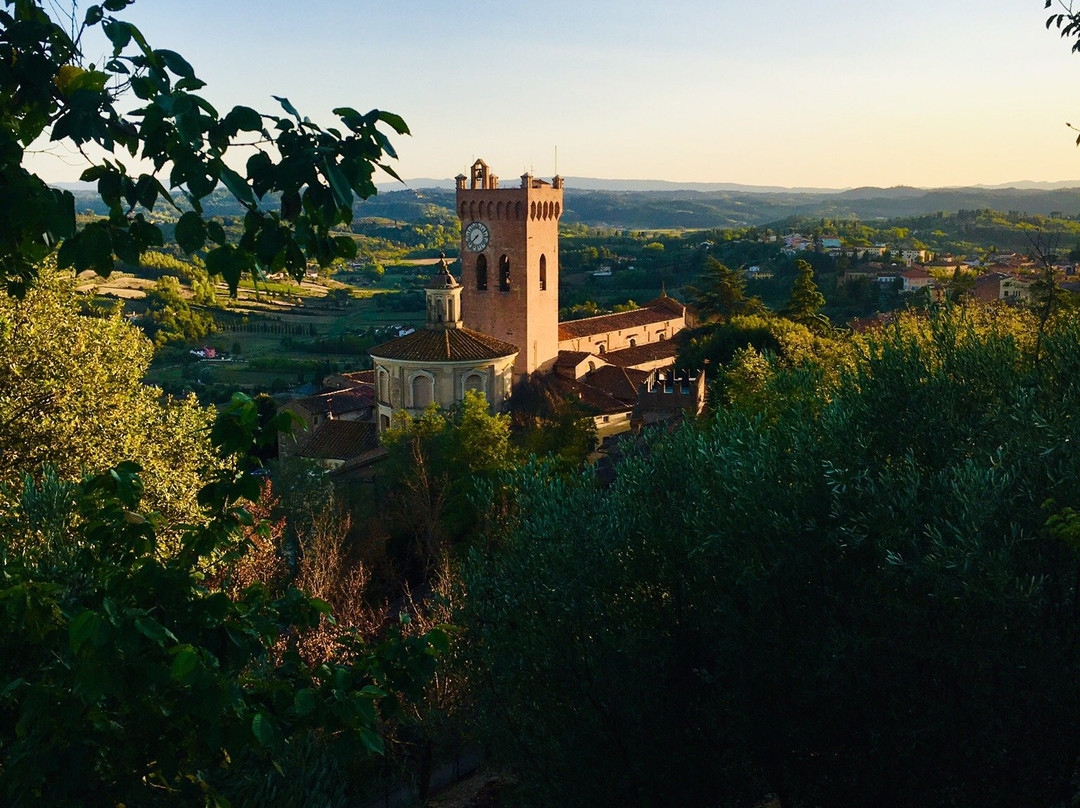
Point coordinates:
pixel 1001 286
pixel 916 278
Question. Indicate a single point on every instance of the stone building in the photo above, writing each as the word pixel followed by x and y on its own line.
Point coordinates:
pixel 509 293
pixel 510 263
pixel 438 363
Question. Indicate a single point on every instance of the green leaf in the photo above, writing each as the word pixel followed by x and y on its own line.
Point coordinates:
pixel 285 105
pixel 190 232
pixel 263 729
pixel 395 122
pixel 439 640
pixel 146 191
pixel 244 119
pixel 304 701
pixel 229 263
pixel 84 629
pixel 346 247
pixel 372 740
pixel 215 232
pixel 237 185
pixel 119 33
pixel 176 63
pixel 185 660
pixel 153 630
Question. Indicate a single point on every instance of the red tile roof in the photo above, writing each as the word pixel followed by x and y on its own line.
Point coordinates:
pixel 340 440
pixel 617 382
pixel 444 345
pixel 593 398
pixel 655 311
pixel 337 402
pixel 640 354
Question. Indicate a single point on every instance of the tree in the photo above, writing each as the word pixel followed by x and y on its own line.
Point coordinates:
pixel 296 188
pixel 127 681
pixel 72 397
pixel 722 292
pixel 169 317
pixel 806 300
pixel 864 597
pixel 436 463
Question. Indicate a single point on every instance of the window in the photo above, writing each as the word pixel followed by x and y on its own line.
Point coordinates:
pixel 474 381
pixel 543 273
pixel 633 342
pixel 384 387
pixel 601 349
pixel 481 273
pixel 423 391
pixel 504 274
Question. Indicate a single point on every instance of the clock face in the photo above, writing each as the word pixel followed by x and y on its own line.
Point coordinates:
pixel 477 236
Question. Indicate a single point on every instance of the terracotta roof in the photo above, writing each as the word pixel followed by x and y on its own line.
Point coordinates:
pixel 916 272
pixel 663 308
pixel 665 303
pixel 649 352
pixel 617 382
pixel 590 396
pixel 337 402
pixel 444 345
pixel 341 440
pixel 360 376
pixel 572 358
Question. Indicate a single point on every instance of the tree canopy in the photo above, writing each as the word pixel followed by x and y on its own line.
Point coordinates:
pixel 72 397
pixel 143 105
pixel 848 589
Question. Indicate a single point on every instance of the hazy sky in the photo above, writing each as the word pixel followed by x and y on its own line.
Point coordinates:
pixel 832 93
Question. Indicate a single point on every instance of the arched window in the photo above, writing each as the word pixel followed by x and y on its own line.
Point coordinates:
pixel 474 381
pixel 543 272
pixel 504 274
pixel 384 387
pixel 601 349
pixel 423 391
pixel 633 342
pixel 481 273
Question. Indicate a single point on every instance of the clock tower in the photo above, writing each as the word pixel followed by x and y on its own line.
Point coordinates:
pixel 510 263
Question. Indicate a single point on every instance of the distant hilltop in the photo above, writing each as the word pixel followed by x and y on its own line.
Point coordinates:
pixel 599 184
pixel 863 192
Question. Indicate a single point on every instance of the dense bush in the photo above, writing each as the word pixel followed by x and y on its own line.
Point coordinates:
pixel 858 591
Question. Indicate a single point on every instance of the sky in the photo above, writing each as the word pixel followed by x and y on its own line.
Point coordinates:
pixel 832 93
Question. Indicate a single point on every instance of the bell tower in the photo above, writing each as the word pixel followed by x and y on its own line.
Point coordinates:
pixel 510 263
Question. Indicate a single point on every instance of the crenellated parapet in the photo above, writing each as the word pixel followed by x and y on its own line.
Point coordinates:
pixel 479 198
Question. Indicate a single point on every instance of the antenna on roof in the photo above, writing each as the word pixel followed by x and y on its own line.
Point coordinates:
pixel 556 160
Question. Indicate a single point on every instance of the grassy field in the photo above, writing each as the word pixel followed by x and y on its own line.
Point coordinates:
pixel 268 332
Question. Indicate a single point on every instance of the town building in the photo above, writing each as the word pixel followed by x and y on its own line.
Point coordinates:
pixel 1001 286
pixel 508 295
pixel 440 362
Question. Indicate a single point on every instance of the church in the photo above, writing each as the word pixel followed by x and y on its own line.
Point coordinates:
pixel 497 325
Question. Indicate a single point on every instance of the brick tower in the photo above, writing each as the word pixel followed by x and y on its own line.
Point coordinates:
pixel 510 263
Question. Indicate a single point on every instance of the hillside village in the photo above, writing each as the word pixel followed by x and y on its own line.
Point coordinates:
pixel 530 492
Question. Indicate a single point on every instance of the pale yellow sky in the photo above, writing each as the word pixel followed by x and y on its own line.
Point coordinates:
pixel 833 94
